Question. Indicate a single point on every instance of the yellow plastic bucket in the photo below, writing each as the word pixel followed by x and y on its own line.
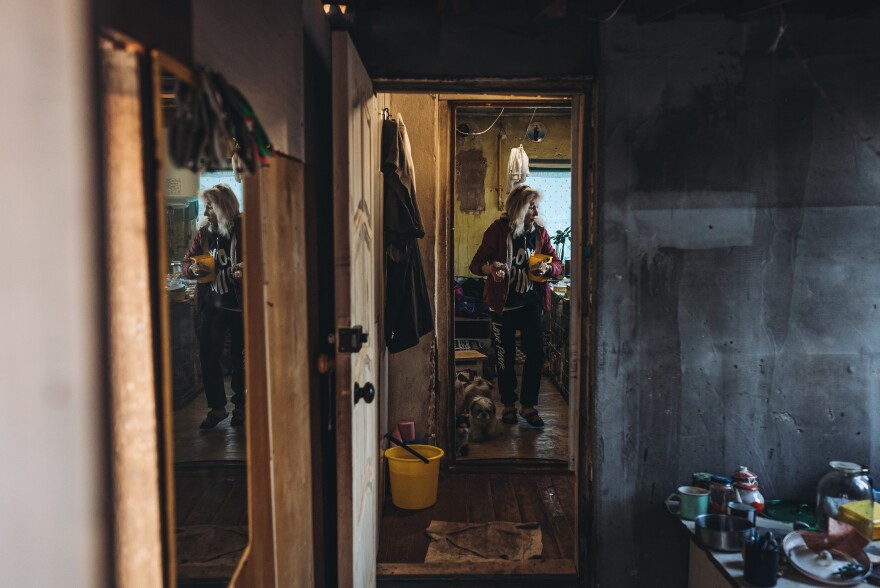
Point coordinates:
pixel 414 482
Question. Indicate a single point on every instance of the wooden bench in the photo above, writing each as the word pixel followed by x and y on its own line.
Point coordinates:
pixel 467 356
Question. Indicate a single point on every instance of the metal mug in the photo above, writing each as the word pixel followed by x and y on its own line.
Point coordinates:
pixel 689 502
pixel 743 511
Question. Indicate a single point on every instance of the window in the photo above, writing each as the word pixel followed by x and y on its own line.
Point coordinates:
pixel 554 183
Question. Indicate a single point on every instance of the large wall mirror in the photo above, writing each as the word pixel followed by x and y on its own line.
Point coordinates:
pixel 511 372
pixel 201 319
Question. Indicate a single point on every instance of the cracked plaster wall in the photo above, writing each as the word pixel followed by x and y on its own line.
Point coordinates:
pixel 739 273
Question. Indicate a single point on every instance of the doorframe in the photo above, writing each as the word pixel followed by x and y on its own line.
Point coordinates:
pixel 487 89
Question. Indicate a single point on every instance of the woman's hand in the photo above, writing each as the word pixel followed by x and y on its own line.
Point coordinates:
pixel 237 270
pixel 497 270
pixel 198 269
pixel 540 269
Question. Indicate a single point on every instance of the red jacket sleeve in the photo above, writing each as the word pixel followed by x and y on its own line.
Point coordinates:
pixel 547 249
pixel 196 247
pixel 487 250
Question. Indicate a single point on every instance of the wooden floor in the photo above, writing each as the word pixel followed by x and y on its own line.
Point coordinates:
pixel 478 498
pixel 520 441
pixel 212 517
pixel 210 488
pixel 213 495
pixel 191 444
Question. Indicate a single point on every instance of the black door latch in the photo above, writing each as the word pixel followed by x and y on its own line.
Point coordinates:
pixel 351 340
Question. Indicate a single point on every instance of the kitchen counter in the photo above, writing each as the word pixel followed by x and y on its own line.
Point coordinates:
pixel 710 569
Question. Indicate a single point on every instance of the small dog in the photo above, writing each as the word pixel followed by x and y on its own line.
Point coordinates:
pixel 462 434
pixel 481 412
pixel 474 400
pixel 467 385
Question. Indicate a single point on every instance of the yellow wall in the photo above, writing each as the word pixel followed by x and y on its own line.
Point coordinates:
pixel 469 227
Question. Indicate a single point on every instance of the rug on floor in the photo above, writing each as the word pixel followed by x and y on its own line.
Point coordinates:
pixel 209 551
pixel 493 541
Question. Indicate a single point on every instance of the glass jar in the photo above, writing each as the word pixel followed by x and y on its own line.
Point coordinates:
pixel 701 480
pixel 720 493
pixel 846 482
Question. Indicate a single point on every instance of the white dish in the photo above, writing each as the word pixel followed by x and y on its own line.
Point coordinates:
pixel 810 564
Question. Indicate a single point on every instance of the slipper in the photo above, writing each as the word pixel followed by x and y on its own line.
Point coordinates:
pixel 532 417
pixel 508 415
pixel 237 418
pixel 212 420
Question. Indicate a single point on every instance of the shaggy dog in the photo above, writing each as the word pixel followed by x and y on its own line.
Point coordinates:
pixel 468 385
pixel 481 411
pixel 474 400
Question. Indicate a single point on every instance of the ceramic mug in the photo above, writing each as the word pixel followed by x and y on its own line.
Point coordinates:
pixel 689 502
pixel 407 431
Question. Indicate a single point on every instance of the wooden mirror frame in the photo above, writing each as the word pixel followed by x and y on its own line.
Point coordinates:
pixel 253 333
pixel 165 428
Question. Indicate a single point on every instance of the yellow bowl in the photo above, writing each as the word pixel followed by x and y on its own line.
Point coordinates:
pixel 208 260
pixel 535 259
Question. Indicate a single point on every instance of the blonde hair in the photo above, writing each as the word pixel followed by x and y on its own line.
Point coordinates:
pixel 517 204
pixel 225 205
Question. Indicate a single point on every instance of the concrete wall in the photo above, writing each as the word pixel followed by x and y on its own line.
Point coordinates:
pixel 55 489
pixel 411 374
pixel 739 281
pixel 258 48
pixel 475 39
pixel 470 226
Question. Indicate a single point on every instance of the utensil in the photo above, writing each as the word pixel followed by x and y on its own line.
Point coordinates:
pixel 723 532
pixel 407 448
pixel 822 566
pixel 761 557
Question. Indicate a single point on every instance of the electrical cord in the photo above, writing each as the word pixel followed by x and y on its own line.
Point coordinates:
pixel 482 132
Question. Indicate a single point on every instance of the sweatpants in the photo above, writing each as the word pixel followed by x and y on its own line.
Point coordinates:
pixel 526 320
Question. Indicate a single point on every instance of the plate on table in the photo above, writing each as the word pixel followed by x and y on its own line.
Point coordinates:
pixel 808 562
pixel 790 511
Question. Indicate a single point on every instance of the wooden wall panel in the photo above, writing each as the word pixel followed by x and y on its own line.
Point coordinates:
pixel 138 539
pixel 280 380
pixel 289 367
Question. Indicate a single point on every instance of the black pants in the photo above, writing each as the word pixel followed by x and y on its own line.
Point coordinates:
pixel 215 323
pixel 526 320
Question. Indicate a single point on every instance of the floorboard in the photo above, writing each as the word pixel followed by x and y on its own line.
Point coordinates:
pixel 521 441
pixel 469 497
pixel 192 444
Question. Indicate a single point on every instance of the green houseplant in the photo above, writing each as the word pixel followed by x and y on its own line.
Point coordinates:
pixel 559 241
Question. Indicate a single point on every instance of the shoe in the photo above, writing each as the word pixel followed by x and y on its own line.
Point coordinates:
pixel 213 419
pixel 508 415
pixel 531 416
pixel 237 418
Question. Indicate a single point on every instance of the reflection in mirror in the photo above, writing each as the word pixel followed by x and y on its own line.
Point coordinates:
pixel 203 314
pixel 511 251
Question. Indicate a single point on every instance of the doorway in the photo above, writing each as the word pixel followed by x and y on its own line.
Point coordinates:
pixel 521 482
pixel 500 146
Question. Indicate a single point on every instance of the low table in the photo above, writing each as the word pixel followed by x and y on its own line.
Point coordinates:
pixel 721 568
pixel 470 356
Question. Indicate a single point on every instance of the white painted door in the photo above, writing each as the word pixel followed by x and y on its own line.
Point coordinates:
pixel 356 134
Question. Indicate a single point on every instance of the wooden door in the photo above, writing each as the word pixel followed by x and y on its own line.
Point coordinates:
pixel 356 129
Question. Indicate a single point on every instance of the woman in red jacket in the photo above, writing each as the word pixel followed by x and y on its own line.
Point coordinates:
pixel 516 300
pixel 219 301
